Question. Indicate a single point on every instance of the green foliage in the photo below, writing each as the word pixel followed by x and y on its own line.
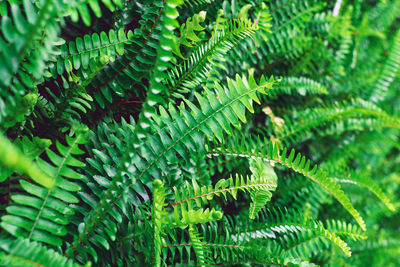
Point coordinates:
pixel 129 134
pixel 311 119
pixel 388 71
pixel 300 85
pixel 259 185
pixel 267 151
pixel 199 247
pixel 195 70
pixel 12 159
pixel 31 149
pixel 158 214
pixel 22 252
pixel 29 217
pixel 82 51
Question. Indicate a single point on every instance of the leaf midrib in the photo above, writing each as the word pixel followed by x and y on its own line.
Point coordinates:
pixel 56 175
pixel 222 190
pixel 111 203
pixel 337 193
pixel 191 69
pixel 194 128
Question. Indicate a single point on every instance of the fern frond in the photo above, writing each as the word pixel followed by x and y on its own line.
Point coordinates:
pixel 108 142
pixel 28 42
pixel 303 244
pixel 30 148
pixel 283 221
pixel 194 70
pixel 383 14
pixel 370 246
pixel 247 147
pixel 228 250
pixel 78 8
pixel 342 28
pixel 123 142
pixel 286 44
pixel 80 52
pixel 12 158
pixel 194 3
pixel 67 101
pixel 301 85
pixel 357 125
pixel 189 33
pixel 315 117
pixel 292 14
pixel 185 134
pixel 259 185
pixel 40 214
pixel 191 216
pixel 388 71
pixel 19 33
pixel 200 248
pixel 157 216
pixel 130 69
pixel 157 89
pixel 346 230
pixel 364 180
pixel 22 252
pixel 303 195
pixel 259 198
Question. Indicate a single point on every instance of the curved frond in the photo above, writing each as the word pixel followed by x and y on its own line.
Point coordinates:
pixel 362 179
pixel 283 221
pixel 158 214
pixel 251 148
pixel 316 117
pixel 39 214
pixel 262 181
pixel 22 252
pixel 13 159
pixel 82 51
pixel 388 71
pixel 301 85
pixel 195 70
pixel 208 120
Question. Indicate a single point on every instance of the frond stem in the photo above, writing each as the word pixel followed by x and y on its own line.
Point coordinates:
pixel 217 192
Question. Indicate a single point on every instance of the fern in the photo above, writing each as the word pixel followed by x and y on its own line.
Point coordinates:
pixel 300 85
pixel 388 71
pixel 312 118
pixel 286 222
pixel 129 134
pixel 363 180
pixel 196 68
pixel 226 103
pixel 200 248
pixel 267 151
pixel 82 9
pixel 262 181
pixel 136 63
pixel 22 252
pixel 39 215
pixel 188 36
pixel 158 203
pixel 12 158
pixel 79 53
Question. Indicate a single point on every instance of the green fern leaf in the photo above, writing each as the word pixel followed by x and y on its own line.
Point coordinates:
pixel 231 102
pixel 22 252
pixel 82 51
pixel 12 158
pixel 298 163
pixel 39 215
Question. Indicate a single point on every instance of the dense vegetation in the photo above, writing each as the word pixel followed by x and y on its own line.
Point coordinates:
pixel 199 133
